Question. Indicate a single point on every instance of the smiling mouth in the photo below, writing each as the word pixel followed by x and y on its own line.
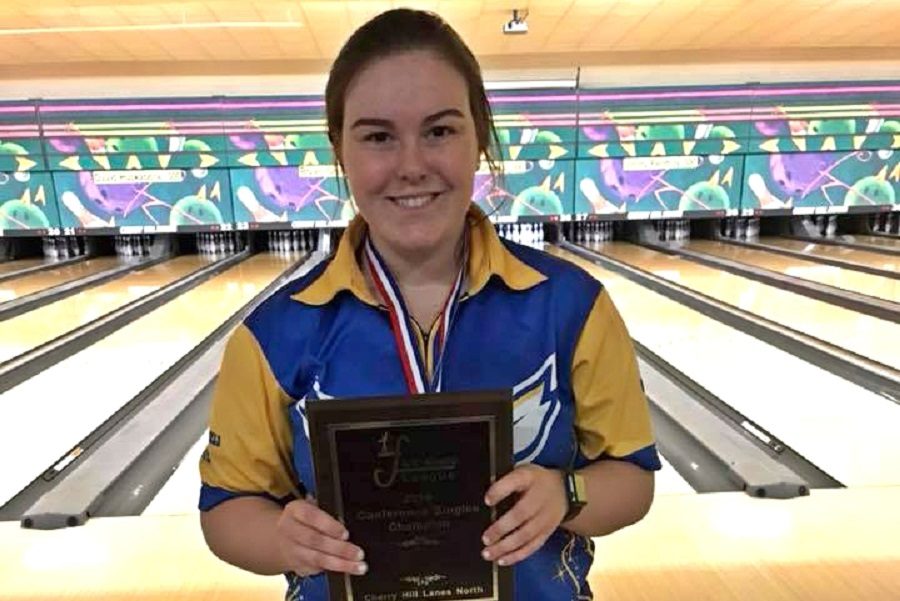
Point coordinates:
pixel 414 201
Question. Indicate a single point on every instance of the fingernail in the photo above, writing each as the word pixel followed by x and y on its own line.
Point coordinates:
pixel 345 535
pixel 502 562
pixel 485 540
pixel 362 569
pixel 486 554
pixel 487 501
pixel 360 555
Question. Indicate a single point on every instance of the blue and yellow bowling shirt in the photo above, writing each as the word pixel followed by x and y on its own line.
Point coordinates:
pixel 528 322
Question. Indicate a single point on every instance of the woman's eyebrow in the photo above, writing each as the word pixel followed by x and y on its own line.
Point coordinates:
pixel 387 123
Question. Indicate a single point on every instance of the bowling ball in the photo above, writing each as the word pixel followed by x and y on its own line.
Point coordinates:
pixel 870 191
pixel 883 139
pixel 10 148
pixel 547 137
pixel 191 158
pixel 660 132
pixel 307 142
pixel 704 196
pixel 670 136
pixel 832 127
pixel 714 143
pixel 536 201
pixel 193 210
pixel 16 214
pixel 721 131
pixel 196 146
pixel 132 145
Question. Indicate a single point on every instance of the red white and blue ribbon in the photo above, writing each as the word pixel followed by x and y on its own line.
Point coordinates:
pixel 414 364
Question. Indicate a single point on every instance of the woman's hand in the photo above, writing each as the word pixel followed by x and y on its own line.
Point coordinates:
pixel 522 530
pixel 310 541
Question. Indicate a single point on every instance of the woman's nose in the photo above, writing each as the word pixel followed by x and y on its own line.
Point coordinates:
pixel 411 165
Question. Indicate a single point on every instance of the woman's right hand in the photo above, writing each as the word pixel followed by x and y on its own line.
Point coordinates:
pixel 311 541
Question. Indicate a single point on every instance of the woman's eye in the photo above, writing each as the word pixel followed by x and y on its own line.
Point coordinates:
pixel 441 131
pixel 378 137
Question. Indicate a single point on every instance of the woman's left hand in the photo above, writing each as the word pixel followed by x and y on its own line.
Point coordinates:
pixel 522 530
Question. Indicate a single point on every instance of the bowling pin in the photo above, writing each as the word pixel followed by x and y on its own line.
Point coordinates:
pixel 831 228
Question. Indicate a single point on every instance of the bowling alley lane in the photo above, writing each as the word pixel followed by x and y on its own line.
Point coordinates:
pixel 848 431
pixel 32 329
pixel 831 251
pixel 892 243
pixel 868 336
pixel 29 284
pixel 830 275
pixel 670 482
pixel 182 491
pixel 17 265
pixel 44 417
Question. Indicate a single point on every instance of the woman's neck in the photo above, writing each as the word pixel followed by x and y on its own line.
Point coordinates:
pixel 440 266
pixel 424 280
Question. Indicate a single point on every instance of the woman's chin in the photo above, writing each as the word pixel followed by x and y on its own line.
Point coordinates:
pixel 411 242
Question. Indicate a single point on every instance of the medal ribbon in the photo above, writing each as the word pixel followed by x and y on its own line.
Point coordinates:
pixel 411 359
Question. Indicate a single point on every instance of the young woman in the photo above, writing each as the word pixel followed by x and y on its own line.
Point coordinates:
pixel 409 121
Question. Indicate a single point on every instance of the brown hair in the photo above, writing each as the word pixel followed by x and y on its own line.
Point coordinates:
pixel 403 30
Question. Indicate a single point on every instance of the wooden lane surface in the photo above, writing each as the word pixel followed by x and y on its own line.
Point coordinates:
pixel 806 407
pixel 32 329
pixel 835 545
pixel 181 492
pixel 670 482
pixel 850 255
pixel 18 264
pixel 883 242
pixel 29 284
pixel 44 417
pixel 845 279
pixel 868 336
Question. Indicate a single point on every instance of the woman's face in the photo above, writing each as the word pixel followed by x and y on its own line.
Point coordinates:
pixel 410 150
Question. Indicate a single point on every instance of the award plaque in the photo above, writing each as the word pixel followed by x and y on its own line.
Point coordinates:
pixel 407 478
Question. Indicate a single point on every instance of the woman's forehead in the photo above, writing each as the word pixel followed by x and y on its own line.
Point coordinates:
pixel 407 86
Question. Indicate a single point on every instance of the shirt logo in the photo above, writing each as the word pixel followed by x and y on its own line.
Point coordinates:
pixel 535 409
